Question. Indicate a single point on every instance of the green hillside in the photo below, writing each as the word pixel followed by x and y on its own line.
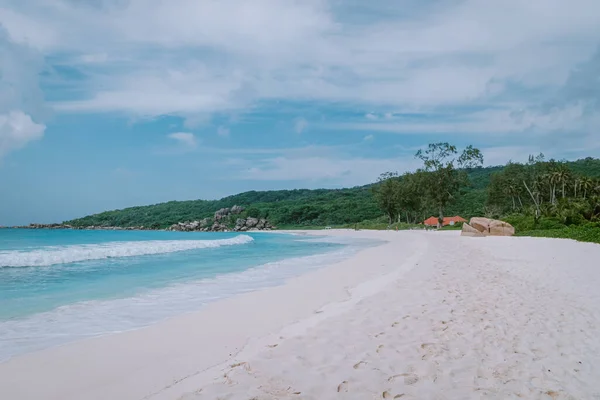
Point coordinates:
pixel 281 207
pixel 303 207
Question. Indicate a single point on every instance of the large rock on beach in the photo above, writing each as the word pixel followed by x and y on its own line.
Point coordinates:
pixel 481 224
pixel 251 222
pixel 222 213
pixel 237 210
pixel 501 228
pixel 468 230
pixel 479 227
pixel 206 222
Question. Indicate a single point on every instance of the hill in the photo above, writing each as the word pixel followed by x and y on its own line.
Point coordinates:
pixel 302 207
pixel 282 207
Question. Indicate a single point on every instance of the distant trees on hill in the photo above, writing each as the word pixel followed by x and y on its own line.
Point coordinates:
pixel 448 184
pixel 547 189
pixel 566 192
pixel 433 187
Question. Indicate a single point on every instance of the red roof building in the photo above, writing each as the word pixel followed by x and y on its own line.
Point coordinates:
pixel 433 221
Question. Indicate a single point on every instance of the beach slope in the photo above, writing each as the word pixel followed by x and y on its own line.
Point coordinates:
pixel 426 315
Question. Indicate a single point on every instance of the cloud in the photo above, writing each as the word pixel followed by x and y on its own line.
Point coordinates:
pixel 16 130
pixel 186 139
pixel 300 125
pixel 314 166
pixel 94 58
pixel 433 52
pixel 348 171
pixel 21 100
pixel 223 132
pixel 459 62
pixel 369 138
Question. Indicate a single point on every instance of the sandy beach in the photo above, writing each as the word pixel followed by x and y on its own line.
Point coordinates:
pixel 426 315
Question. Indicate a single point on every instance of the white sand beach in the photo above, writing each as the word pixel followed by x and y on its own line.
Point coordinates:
pixel 427 315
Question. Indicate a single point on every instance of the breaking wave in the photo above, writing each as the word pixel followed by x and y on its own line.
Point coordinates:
pixel 52 255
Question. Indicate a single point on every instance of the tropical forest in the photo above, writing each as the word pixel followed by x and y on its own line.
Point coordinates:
pixel 542 197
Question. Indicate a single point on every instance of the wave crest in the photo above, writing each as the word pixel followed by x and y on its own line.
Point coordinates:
pixel 53 255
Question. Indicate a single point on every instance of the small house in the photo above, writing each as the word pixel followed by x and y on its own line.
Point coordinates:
pixel 433 221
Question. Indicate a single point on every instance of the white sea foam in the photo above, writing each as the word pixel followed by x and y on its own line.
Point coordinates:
pixel 99 317
pixel 52 255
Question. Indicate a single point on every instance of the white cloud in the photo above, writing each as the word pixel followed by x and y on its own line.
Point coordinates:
pixel 348 171
pixel 16 130
pixel 368 138
pixel 300 125
pixel 94 58
pixel 194 59
pixel 186 139
pixel 449 53
pixel 223 131
pixel 488 122
pixel 21 101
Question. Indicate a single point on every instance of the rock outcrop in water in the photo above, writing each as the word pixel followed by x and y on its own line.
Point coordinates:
pixel 91 227
pixel 221 223
pixel 241 225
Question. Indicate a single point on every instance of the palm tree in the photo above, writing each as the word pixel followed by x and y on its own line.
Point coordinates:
pixel 576 185
pixel 587 185
pixel 553 178
pixel 561 176
pixel 511 190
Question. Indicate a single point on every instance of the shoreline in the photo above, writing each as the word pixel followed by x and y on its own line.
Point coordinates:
pixel 423 314
pixel 292 293
pixel 107 316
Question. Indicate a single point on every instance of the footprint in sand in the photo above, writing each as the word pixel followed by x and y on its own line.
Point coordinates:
pixel 409 379
pixel 343 387
pixel 242 364
pixel 358 364
pixel 388 395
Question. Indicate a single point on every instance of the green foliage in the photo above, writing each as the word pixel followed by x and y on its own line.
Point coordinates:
pixel 526 223
pixel 442 181
pixel 584 233
pixel 297 208
pixel 386 194
pixel 380 224
pixel 455 227
pixel 253 212
pixel 548 189
pixel 482 191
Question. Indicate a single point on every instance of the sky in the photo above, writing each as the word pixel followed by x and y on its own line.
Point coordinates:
pixel 106 104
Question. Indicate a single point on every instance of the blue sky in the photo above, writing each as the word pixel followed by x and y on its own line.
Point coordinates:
pixel 111 103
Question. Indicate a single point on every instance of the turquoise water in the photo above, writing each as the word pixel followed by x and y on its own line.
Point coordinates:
pixel 57 286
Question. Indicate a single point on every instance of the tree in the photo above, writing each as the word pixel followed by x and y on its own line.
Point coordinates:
pixel 587 185
pixel 409 196
pixel 386 194
pixel 576 185
pixel 563 176
pixel 443 180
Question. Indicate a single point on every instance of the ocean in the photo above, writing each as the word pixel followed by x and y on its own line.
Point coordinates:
pixel 59 286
